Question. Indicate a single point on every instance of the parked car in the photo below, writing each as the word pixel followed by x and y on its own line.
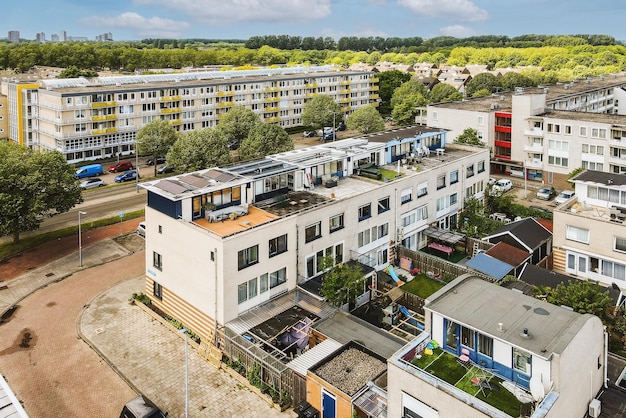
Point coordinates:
pixel 89 171
pixel 327 137
pixel 546 193
pixel 141 407
pixel 309 134
pixel 502 185
pixel 159 160
pixel 491 181
pixel 327 130
pixel 141 229
pixel 341 127
pixel 165 169
pixel 93 183
pixel 121 166
pixel 564 196
pixel 127 176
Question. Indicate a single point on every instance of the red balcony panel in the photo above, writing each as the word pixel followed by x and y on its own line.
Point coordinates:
pixel 503 144
pixel 503 129
pixel 503 115
pixel 502 157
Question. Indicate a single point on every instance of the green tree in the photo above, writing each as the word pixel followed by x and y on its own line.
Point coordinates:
pixel 469 137
pixel 342 283
pixel 321 111
pixel 496 201
pixel 583 296
pixel 388 82
pixel 237 124
pixel 75 72
pixel 404 113
pixel 443 92
pixel 483 81
pixel 474 221
pixel 481 93
pixel 200 149
pixel 265 139
pixel 155 139
pixel 411 88
pixel 366 120
pixel 511 80
pixel 33 185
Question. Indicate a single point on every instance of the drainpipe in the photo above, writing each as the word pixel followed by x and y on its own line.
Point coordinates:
pixel 606 358
pixel 215 264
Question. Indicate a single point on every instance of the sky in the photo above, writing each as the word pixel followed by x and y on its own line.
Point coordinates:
pixel 241 19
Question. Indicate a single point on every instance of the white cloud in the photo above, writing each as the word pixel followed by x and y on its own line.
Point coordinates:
pixel 460 10
pixel 227 12
pixel 458 31
pixel 154 26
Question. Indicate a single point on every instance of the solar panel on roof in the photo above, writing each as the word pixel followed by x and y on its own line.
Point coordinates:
pixel 172 186
pixel 224 177
pixel 195 180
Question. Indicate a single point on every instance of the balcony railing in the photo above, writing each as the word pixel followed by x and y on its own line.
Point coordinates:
pixel 272 120
pixel 170 98
pixel 533 163
pixel 171 110
pixel 374 88
pixel 103 117
pixel 103 104
pixel 536 148
pixel 533 132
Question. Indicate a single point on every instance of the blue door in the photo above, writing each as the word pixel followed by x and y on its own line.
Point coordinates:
pixel 328 405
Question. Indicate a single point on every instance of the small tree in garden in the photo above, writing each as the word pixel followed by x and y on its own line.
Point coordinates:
pixel 342 283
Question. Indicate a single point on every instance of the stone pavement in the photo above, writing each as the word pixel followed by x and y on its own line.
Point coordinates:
pixel 147 355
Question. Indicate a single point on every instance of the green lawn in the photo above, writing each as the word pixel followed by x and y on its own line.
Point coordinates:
pixel 422 286
pixel 446 367
pixel 389 174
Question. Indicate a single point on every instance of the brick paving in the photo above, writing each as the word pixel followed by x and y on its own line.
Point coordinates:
pixel 123 350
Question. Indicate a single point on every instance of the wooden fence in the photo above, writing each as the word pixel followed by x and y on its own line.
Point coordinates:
pixel 436 266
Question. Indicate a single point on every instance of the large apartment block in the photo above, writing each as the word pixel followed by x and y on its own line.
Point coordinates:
pixel 546 132
pixel 97 118
pixel 221 242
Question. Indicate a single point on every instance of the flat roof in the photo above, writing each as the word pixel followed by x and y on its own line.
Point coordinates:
pixel 478 304
pixel 586 116
pixel 344 328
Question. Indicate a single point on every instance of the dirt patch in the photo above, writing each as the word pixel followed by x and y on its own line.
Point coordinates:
pixel 26 339
pixel 132 242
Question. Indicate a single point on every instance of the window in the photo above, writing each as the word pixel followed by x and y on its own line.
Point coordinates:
pixel 383 205
pixel 521 361
pixel 313 232
pixel 577 234
pixel 252 288
pixel 422 190
pixel 568 129
pixel 278 245
pixel 157 290
pixel 481 120
pixel 481 166
pixel 560 161
pixel 454 177
pixel 335 223
pixel 364 238
pixel 365 212
pixel 405 196
pixel 453 199
pixel 485 345
pixel 157 260
pixel 593 149
pixel 248 257
pixel 469 171
pixel 263 279
pixel 467 337
pixel 558 145
pixel 278 277
pixel 441 182
pixel 619 244
pixel 242 293
pixel 582 131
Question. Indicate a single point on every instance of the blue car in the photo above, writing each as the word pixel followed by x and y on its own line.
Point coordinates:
pixel 127 176
pixel 328 136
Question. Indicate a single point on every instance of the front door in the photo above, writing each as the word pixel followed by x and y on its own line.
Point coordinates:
pixel 329 407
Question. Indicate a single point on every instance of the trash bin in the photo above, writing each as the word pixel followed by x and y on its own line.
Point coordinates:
pixel 301 407
pixel 311 413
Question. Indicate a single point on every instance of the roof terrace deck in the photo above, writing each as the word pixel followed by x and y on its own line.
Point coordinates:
pixel 229 226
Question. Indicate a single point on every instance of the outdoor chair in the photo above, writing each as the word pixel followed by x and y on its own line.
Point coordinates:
pixel 464 359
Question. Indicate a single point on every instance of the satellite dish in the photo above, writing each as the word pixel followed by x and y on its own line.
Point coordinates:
pixel 536 388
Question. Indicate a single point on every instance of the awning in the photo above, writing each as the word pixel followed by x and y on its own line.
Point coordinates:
pixel 443 235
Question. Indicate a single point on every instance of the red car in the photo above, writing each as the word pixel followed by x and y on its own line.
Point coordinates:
pixel 121 166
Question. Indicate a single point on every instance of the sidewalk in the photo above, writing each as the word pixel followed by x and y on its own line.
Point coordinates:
pixel 148 356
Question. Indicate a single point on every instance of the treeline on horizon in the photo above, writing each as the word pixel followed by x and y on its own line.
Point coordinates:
pixel 571 56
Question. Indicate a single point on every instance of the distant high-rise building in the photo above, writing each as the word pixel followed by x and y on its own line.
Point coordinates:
pixel 54 38
pixel 41 37
pixel 14 36
pixel 62 36
pixel 105 37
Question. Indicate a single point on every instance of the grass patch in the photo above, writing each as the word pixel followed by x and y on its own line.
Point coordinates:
pixel 389 174
pixel 424 361
pixel 444 366
pixel 422 286
pixel 9 249
pixel 504 400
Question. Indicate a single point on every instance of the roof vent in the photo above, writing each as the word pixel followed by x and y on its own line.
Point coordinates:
pixel 500 327
pixel 525 333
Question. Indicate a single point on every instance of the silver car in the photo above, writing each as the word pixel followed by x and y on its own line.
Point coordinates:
pixel 92 183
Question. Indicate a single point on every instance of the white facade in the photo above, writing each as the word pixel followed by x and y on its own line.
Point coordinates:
pixel 279 243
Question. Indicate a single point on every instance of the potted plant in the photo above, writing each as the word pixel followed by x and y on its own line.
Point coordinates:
pixel 209 206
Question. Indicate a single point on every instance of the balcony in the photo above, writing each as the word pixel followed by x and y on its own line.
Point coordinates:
pixel 534 148
pixel 348 108
pixel 225 104
pixel 272 120
pixel 345 91
pixel 311 94
pixel 374 88
pixel 170 98
pixel 171 110
pixel 225 93
pixel 344 82
pixel 268 89
pixel 103 104
pixel 103 117
pixel 174 122
pixel 344 100
pixel 374 96
pixel 272 99
pixel 534 163
pixel 374 79
pixel 271 109
pixel 311 86
pixel 534 132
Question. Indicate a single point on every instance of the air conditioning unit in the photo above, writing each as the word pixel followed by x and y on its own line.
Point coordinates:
pixel 594 408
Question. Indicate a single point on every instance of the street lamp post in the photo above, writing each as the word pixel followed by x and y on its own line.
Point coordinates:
pixel 334 127
pixel 186 332
pixel 80 239
pixel 137 166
